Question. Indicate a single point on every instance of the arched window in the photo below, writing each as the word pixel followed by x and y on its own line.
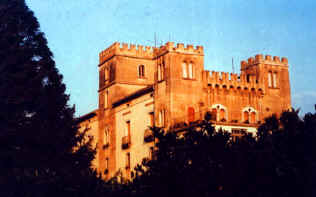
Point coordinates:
pixel 253 117
pixel 219 112
pixel 214 114
pixel 270 79
pixel 246 116
pixel 274 80
pixel 141 71
pixel 191 113
pixel 249 115
pixel 222 115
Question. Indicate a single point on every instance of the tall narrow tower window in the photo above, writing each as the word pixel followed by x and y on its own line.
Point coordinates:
pixel 161 70
pixel 106 96
pixel 106 75
pixel 106 139
pixel 141 71
pixel 112 73
pixel 128 160
pixel 269 79
pixel 190 68
pixel 274 80
pixel 184 70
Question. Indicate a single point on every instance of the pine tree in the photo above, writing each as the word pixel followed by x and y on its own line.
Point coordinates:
pixel 41 151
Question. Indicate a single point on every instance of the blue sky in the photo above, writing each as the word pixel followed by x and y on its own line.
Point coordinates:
pixel 77 30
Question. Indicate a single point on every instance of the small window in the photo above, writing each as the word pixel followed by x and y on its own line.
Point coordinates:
pixel 184 70
pixel 161 72
pixel 106 97
pixel 128 160
pixel 127 128
pixel 106 163
pixel 151 152
pixel 270 79
pixel 106 139
pixel 191 114
pixel 161 118
pixel 141 71
pixel 151 119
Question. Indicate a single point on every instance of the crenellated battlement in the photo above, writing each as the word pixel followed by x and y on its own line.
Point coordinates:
pixel 125 49
pixel 267 59
pixel 231 81
pixel 148 52
pixel 180 48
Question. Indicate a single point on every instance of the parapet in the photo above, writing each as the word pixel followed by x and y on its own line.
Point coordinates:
pixel 125 49
pixel 231 81
pixel 267 59
pixel 147 51
pixel 180 48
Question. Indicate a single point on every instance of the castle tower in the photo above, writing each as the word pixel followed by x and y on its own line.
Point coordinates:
pixel 123 70
pixel 273 74
pixel 178 83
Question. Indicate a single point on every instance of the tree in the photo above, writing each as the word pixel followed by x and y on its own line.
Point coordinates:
pixel 41 151
pixel 197 161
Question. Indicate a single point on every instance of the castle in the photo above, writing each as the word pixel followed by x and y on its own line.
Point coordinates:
pixel 167 87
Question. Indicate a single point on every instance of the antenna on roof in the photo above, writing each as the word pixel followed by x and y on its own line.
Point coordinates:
pixel 155 38
pixel 233 67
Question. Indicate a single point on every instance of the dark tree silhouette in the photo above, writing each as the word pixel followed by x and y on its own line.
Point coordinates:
pixel 196 161
pixel 41 151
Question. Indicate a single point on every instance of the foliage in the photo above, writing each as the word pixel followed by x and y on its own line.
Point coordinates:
pixel 197 161
pixel 41 151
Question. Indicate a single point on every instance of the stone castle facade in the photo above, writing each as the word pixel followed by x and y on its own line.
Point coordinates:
pixel 168 87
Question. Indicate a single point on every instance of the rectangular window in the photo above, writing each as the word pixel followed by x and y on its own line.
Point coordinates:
pixel 106 75
pixel 106 96
pixel 274 80
pixel 151 119
pixel 161 72
pixel 141 71
pixel 161 118
pixel 128 160
pixel 107 163
pixel 112 73
pixel 127 128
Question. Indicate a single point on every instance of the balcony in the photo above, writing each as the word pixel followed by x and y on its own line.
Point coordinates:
pixel 148 135
pixel 125 142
